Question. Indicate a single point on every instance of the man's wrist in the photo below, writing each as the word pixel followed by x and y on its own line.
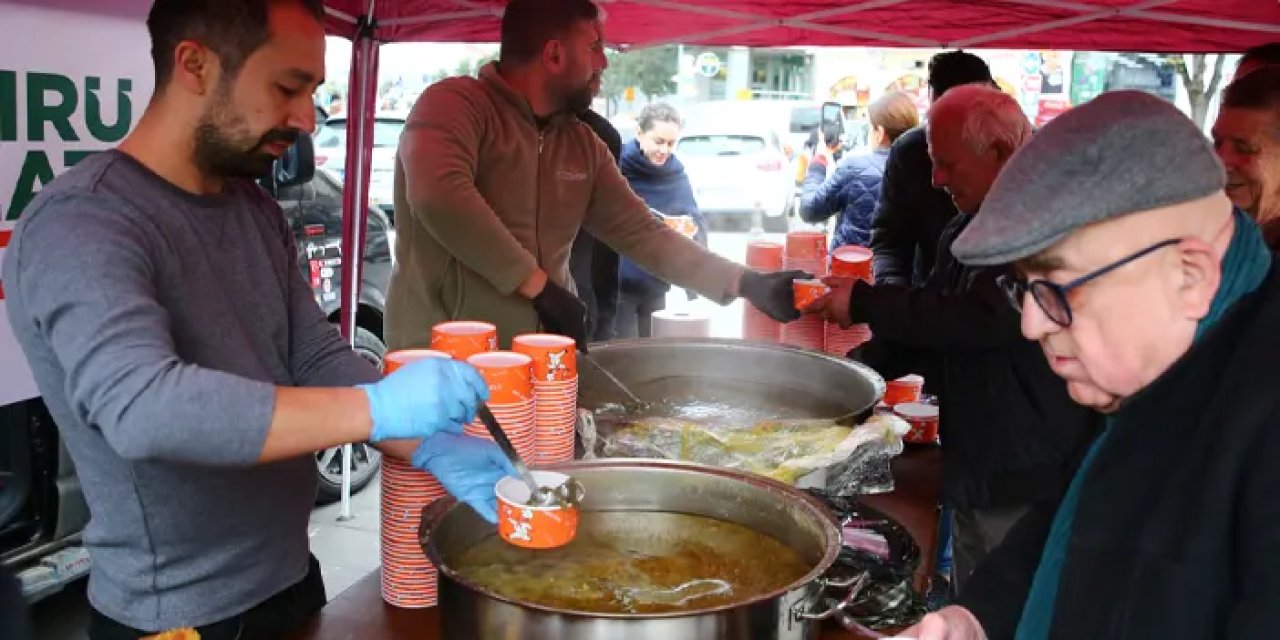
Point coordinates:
pixel 735 291
pixel 533 285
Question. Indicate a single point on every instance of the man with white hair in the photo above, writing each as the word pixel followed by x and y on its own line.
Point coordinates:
pixel 1008 427
pixel 1158 304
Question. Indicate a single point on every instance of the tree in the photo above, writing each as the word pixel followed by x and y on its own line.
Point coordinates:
pixel 471 66
pixel 649 70
pixel 1199 94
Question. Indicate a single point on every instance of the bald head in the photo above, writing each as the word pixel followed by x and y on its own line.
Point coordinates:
pixel 973 130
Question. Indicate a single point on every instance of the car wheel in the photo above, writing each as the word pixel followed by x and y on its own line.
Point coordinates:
pixel 365 460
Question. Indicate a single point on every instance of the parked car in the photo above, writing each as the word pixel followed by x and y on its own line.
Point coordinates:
pixel 737 170
pixel 793 120
pixel 331 155
pixel 42 508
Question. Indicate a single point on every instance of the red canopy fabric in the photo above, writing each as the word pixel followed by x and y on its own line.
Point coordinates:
pixel 1174 26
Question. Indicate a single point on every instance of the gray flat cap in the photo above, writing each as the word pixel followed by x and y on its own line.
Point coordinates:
pixel 1122 152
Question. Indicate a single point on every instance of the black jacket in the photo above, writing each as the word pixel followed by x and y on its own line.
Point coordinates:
pixel 1008 426
pixel 15 623
pixel 1177 532
pixel 593 265
pixel 910 215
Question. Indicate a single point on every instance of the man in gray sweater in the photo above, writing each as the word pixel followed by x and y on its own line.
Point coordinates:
pixel 155 291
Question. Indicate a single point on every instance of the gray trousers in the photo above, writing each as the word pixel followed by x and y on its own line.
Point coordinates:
pixel 974 533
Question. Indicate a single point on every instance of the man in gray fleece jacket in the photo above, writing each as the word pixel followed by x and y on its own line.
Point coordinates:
pixel 155 292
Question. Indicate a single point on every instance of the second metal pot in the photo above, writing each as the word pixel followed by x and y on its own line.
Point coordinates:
pixel 773 508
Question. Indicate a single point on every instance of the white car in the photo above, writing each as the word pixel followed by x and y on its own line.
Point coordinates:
pixel 331 154
pixel 793 120
pixel 737 170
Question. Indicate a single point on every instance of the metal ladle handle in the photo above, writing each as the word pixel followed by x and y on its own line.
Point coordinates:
pixel 499 436
pixel 855 590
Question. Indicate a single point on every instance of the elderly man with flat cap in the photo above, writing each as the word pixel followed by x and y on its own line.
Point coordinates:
pixel 1157 303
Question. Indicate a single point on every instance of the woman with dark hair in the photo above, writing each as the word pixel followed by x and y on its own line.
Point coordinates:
pixel 853 190
pixel 656 175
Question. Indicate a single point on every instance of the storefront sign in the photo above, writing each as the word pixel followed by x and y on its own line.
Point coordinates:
pixel 58 105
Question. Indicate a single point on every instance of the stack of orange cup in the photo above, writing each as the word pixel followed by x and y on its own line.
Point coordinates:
pixel 809 332
pixel 852 261
pixel 510 379
pixel 904 390
pixel 462 339
pixel 849 262
pixel 408 577
pixel 756 326
pixel 923 419
pixel 806 251
pixel 555 394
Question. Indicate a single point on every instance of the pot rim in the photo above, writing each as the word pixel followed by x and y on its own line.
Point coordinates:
pixel 435 513
pixel 870 374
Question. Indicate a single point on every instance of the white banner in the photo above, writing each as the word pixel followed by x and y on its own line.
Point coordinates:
pixel 71 84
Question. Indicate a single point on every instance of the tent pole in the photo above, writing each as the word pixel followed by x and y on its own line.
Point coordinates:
pixel 362 95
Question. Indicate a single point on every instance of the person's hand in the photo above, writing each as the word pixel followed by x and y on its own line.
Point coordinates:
pixel 948 623
pixel 562 313
pixel 468 468
pixel 423 398
pixel 834 306
pixel 772 293
pixel 822 152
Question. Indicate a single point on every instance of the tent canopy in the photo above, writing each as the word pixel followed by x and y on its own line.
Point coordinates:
pixel 1174 26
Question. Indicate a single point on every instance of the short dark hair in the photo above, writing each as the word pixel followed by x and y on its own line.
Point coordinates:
pixel 1262 54
pixel 657 112
pixel 1258 90
pixel 233 29
pixel 528 25
pixel 951 69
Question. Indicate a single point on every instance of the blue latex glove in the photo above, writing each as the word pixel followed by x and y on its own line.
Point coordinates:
pixel 468 468
pixel 423 398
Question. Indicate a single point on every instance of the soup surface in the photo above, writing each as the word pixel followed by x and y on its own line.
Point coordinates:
pixel 637 562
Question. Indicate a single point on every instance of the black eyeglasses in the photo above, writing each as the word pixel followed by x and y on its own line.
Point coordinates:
pixel 1052 297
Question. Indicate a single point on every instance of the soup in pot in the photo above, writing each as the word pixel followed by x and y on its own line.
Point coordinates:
pixel 637 562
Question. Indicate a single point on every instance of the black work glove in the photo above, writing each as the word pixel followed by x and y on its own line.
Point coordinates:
pixel 772 293
pixel 562 313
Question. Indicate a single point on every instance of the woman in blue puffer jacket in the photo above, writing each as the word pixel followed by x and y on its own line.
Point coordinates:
pixel 656 175
pixel 854 189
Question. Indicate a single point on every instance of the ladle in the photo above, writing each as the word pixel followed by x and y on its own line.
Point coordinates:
pixel 635 400
pixel 538 496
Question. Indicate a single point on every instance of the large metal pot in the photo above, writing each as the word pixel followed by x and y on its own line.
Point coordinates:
pixel 793 381
pixel 769 507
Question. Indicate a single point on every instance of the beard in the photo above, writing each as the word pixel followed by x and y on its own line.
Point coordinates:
pixel 226 147
pixel 577 97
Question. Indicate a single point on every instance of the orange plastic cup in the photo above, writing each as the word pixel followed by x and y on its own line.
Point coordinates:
pixel 852 262
pixel 396 359
pixel 808 292
pixel 765 256
pixel 534 527
pixel 462 339
pixel 807 245
pixel 555 358
pixel 903 390
pixel 923 419
pixel 508 374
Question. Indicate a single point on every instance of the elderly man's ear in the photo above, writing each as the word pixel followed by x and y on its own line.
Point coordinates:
pixel 1199 276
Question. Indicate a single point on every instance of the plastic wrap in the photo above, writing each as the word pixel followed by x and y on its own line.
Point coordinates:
pixel 880 547
pixel 856 459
